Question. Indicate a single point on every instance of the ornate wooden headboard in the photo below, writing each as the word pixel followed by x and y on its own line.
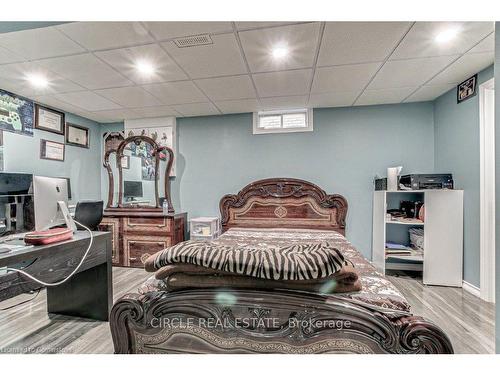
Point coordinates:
pixel 283 203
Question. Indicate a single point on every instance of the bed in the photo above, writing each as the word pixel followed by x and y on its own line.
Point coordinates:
pixel 376 319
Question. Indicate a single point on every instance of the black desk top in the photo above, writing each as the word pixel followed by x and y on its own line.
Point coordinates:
pixel 17 256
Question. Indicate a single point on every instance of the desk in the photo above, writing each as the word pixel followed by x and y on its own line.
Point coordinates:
pixel 88 294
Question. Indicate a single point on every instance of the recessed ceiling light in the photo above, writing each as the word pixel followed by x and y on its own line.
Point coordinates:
pixel 446 35
pixel 279 52
pixel 37 80
pixel 145 67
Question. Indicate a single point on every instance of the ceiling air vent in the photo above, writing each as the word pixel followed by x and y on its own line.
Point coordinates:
pixel 193 40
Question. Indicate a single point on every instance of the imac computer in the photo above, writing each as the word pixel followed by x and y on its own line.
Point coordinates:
pixel 132 190
pixel 51 200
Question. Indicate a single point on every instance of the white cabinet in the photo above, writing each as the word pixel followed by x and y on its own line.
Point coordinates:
pixel 442 257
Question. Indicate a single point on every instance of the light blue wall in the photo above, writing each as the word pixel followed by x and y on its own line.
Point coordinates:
pixel 22 154
pixel 218 155
pixel 497 186
pixel 7 27
pixel 456 142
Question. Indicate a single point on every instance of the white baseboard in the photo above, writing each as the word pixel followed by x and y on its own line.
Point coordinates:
pixel 472 289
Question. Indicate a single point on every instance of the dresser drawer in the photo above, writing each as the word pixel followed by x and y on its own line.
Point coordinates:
pixel 162 225
pixel 110 224
pixel 139 248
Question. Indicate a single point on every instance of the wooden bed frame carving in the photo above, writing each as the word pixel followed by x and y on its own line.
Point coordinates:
pixel 294 322
pixel 283 203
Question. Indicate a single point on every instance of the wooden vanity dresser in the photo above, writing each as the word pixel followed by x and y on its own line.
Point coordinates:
pixel 140 230
pixel 136 234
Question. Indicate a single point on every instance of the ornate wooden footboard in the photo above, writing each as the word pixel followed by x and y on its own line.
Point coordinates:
pixel 245 321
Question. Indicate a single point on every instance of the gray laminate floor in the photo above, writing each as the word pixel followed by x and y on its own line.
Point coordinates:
pixel 467 320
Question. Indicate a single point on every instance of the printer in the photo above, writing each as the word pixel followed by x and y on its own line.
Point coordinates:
pixel 426 181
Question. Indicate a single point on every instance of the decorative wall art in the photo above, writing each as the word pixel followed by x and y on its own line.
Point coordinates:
pixel 162 130
pixel 467 89
pixel 16 114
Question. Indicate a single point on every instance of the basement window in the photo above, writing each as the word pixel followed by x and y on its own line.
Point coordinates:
pixel 287 121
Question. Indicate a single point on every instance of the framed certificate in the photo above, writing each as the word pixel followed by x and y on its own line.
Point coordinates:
pixel 49 119
pixel 51 150
pixel 77 135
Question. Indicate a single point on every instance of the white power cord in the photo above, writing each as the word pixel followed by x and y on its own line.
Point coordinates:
pixel 67 277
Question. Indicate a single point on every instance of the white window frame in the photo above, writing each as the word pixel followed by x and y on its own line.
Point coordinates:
pixel 308 128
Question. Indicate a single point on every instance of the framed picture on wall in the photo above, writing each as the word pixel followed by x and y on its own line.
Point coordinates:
pixel 51 150
pixel 77 135
pixel 467 89
pixel 49 119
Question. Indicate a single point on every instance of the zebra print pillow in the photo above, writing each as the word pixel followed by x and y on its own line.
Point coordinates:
pixel 294 262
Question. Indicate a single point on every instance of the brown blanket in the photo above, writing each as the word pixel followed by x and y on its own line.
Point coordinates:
pixel 188 276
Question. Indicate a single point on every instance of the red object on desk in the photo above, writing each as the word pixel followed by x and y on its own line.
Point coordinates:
pixel 46 237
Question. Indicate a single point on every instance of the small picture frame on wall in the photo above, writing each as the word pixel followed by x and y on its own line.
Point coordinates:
pixel 126 162
pixel 77 135
pixel 467 89
pixel 51 150
pixel 49 119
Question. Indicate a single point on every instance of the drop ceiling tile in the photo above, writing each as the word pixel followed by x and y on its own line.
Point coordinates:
pixel 102 35
pixel 51 101
pixel 384 96
pixel 287 83
pixel 87 71
pixel 226 88
pixel 7 57
pixel 409 73
pixel 486 45
pixel 333 99
pixel 15 76
pixel 238 106
pixel 125 60
pixel 343 78
pixel 196 109
pixel 160 111
pixel 421 39
pixel 87 100
pixel 301 41
pixel 176 92
pixel 463 68
pixel 283 102
pixel 426 93
pixel 222 58
pixel 169 30
pixel 39 43
pixel 358 42
pixel 248 25
pixel 129 97
pixel 117 114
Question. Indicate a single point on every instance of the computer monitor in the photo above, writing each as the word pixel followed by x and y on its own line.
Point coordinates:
pixel 132 189
pixel 48 191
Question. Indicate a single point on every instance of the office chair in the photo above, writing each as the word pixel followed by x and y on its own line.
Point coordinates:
pixel 89 213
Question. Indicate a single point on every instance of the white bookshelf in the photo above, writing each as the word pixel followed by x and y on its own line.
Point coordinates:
pixel 442 259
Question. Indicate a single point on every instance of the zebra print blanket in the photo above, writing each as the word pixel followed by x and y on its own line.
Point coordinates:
pixel 304 261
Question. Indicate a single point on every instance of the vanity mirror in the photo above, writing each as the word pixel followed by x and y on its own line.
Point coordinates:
pixel 138 171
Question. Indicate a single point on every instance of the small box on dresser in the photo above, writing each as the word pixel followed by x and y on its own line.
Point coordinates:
pixel 204 228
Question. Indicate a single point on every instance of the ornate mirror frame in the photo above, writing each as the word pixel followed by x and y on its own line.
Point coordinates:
pixel 157 149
